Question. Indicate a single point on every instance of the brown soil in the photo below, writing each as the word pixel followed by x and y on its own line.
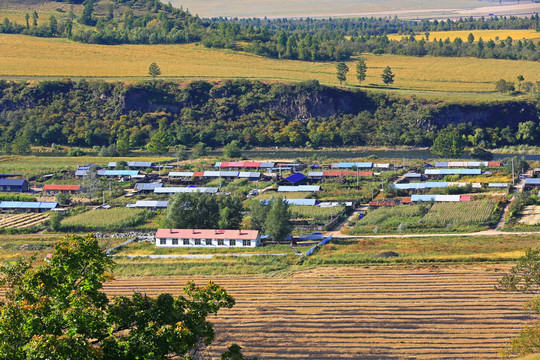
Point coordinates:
pixel 361 313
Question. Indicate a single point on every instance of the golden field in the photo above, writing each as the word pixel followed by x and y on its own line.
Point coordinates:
pixel 37 58
pixel 486 35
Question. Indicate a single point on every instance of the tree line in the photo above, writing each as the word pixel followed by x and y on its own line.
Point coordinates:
pixel 201 115
pixel 152 22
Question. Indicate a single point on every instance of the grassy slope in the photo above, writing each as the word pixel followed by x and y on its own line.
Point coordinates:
pixel 449 78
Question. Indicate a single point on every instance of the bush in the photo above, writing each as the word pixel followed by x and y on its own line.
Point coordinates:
pixel 75 152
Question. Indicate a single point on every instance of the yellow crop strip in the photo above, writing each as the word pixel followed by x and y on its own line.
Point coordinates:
pixel 24 56
pixel 486 35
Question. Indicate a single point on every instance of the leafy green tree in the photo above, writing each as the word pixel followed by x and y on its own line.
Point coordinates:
pixel 520 79
pixel 27 18
pixel 341 72
pixel 57 310
pixel 481 154
pixel 277 223
pixel 504 86
pixel 199 150
pixel 21 145
pixel 123 146
pixel 35 18
pixel 387 76
pixel 181 152
pixel 470 38
pixel 86 16
pixel 234 353
pixel 121 165
pixel 158 143
pixel 527 132
pixel 361 70
pixel 232 150
pixel 230 213
pixel 524 277
pixel 258 213
pixel 63 199
pixel 154 70
pixel 448 144
pixel 53 25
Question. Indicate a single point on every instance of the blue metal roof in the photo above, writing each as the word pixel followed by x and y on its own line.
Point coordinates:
pixel 294 178
pixel 12 182
pixel 149 204
pixel 248 174
pixel 348 165
pixel 532 181
pixel 421 185
pixel 297 202
pixel 117 172
pixel 147 186
pixel 143 164
pixel 316 174
pixel 453 171
pixel 451 198
pixel 498 185
pixel 173 190
pixel 181 174
pixel 298 188
pixel 27 205
pixel 413 175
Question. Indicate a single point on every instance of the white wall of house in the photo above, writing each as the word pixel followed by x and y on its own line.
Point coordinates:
pixel 205 243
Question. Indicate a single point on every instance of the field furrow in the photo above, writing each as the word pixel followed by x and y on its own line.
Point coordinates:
pixel 332 313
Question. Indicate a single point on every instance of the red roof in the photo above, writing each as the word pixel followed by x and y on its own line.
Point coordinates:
pixel 406 201
pixel 494 163
pixel 347 173
pixel 382 203
pixel 198 174
pixel 207 234
pixel 61 187
pixel 465 198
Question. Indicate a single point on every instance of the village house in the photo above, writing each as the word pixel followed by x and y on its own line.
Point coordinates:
pixel 207 238
pixel 13 185
pixel 61 189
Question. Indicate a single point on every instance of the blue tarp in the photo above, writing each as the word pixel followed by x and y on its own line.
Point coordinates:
pixel 294 178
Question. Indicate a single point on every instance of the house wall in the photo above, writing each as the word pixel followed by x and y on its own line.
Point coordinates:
pixel 214 243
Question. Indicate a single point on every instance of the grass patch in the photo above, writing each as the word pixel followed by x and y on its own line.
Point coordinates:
pixel 110 219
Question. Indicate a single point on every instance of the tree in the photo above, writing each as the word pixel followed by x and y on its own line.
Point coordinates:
pixel 35 18
pixel 481 154
pixel 21 145
pixel 232 150
pixel 258 213
pixel 154 70
pixel 277 224
pixel 470 38
pixel 199 150
pixel 158 143
pixel 448 144
pixel 63 198
pixel 504 86
pixel 230 212
pixel 387 76
pixel 361 70
pixel 27 18
pixel 524 277
pixel 342 70
pixel 520 79
pixel 527 132
pixel 86 16
pixel 53 25
pixel 57 310
pixel 123 146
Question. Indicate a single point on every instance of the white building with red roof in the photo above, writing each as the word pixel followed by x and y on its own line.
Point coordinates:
pixel 56 189
pixel 207 238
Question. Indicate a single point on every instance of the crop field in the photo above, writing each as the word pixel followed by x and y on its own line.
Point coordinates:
pixel 315 212
pixel 530 215
pixel 26 165
pixel 115 218
pixel 285 195
pixel 21 221
pixel 412 249
pixel 359 313
pixel 459 78
pixel 460 213
pixel 486 35
pixel 391 219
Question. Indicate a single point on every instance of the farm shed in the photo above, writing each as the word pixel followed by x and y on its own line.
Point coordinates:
pixel 149 204
pixel 297 202
pixel 174 190
pixel 443 172
pixel 294 179
pixel 474 164
pixel 300 188
pixel 532 182
pixel 27 206
pixel 13 185
pixel 147 187
pixel 436 198
pixel 498 185
pixel 61 189
pixel 348 165
pixel 421 185
pixel 134 164
pixel 251 176
pixel 207 238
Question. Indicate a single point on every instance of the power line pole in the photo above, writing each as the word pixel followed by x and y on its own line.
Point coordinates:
pixel 513 178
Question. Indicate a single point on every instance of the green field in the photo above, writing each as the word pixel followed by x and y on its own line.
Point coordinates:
pixel 26 57
pixel 113 219
pixel 26 165
pixel 460 213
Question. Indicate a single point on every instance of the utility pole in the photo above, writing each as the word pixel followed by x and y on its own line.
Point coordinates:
pixel 219 174
pixel 357 179
pixel 513 178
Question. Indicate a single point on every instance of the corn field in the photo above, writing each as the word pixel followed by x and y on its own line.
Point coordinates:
pixel 460 213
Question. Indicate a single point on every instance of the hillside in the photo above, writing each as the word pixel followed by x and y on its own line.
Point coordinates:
pixel 91 114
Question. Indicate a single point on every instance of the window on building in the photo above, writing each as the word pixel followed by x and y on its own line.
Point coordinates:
pixel 221 242
pixel 246 242
pixel 186 241
pixel 208 242
pixel 162 241
pixel 197 241
pixel 175 241
pixel 232 242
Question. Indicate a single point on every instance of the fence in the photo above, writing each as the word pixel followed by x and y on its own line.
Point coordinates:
pixel 323 242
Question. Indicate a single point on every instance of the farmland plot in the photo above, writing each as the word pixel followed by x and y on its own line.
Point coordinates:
pixel 21 221
pixel 530 215
pixel 460 213
pixel 358 313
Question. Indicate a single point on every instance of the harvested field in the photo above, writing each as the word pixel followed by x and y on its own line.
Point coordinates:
pixel 353 313
pixel 21 221
pixel 530 215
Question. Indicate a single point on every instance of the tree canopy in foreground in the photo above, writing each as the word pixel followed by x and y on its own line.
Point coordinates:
pixel 57 310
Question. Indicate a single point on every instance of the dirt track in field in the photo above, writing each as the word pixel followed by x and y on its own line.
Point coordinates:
pixel 360 313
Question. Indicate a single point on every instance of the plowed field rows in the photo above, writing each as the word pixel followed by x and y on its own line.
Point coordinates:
pixel 359 313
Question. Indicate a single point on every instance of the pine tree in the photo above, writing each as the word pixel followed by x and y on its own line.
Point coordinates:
pixel 361 69
pixel 387 75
